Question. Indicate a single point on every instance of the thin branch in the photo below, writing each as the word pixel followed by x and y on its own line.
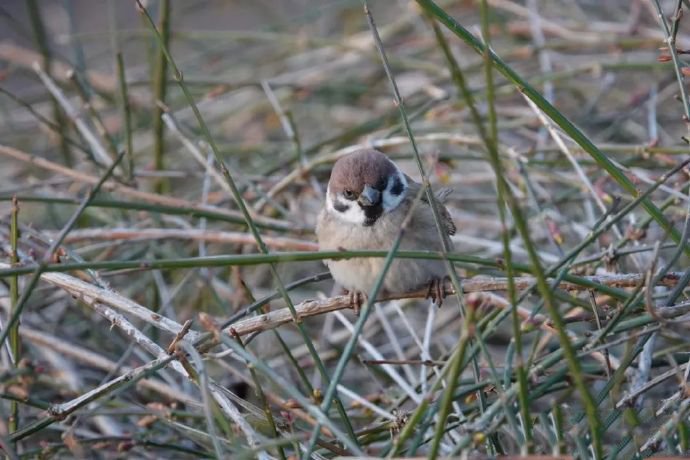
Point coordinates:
pixel 75 117
pixel 91 294
pixel 309 308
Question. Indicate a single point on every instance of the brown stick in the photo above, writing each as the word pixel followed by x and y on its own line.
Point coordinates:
pixel 309 308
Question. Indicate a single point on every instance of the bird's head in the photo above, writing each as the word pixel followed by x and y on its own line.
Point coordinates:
pixel 363 186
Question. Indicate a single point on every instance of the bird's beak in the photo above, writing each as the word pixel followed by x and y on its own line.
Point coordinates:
pixel 369 196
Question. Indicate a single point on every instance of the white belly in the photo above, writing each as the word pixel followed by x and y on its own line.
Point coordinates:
pixel 403 275
pixel 360 274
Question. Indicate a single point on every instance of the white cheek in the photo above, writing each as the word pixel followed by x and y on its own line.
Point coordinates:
pixel 353 215
pixel 391 201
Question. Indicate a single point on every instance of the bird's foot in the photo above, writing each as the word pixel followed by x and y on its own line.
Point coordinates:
pixel 436 291
pixel 357 299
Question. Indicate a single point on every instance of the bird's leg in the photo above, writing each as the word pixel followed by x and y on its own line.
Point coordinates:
pixel 357 298
pixel 436 290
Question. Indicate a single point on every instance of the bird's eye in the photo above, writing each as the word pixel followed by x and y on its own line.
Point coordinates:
pixel 349 194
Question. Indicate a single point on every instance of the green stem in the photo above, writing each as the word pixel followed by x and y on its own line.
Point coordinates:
pixel 290 390
pixel 247 216
pixel 521 223
pixel 208 212
pixel 455 367
pixel 556 116
pixel 126 116
pixel 492 143
pixel 44 47
pixel 41 267
pixel 264 403
pixel 359 326
pixel 160 86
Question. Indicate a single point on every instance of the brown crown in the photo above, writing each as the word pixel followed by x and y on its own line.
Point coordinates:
pixel 363 167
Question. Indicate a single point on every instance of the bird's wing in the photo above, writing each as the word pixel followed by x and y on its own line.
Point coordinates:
pixel 440 198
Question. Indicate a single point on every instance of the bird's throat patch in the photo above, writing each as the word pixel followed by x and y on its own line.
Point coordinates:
pixel 371 214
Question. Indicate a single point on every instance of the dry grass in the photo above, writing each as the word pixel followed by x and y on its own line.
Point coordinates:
pixel 151 271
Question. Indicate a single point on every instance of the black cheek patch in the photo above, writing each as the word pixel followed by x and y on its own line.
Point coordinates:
pixel 371 214
pixel 340 206
pixel 398 187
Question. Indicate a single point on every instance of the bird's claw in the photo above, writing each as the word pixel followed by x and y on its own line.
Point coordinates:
pixel 357 298
pixel 436 291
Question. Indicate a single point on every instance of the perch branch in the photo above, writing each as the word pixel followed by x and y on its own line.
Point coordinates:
pixel 309 308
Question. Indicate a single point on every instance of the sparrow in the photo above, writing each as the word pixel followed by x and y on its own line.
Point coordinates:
pixel 367 199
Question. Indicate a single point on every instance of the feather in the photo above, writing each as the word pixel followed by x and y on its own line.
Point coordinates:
pixel 441 197
pixel 336 231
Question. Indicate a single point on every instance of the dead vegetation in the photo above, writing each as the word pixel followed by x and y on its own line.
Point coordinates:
pixel 162 168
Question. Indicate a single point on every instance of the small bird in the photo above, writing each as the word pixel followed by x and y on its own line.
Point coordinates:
pixel 367 200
